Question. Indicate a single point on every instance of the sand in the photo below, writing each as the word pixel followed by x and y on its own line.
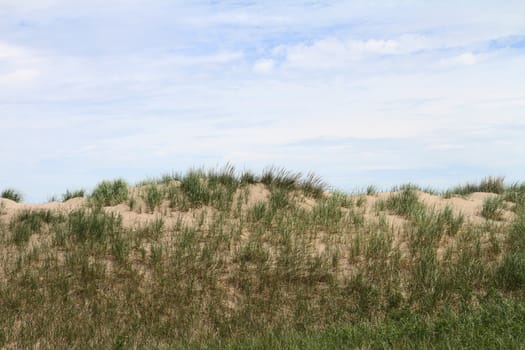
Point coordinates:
pixel 470 206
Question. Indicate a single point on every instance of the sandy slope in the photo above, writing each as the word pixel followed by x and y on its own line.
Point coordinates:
pixel 131 218
pixel 470 206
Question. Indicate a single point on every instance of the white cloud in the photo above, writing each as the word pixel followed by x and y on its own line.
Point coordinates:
pixel 10 51
pixel 17 64
pixel 333 52
pixel 263 66
pixel 221 57
pixel 235 18
pixel 465 59
pixel 446 147
pixel 19 75
pixel 212 58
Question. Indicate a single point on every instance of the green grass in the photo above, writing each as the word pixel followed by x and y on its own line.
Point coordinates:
pixel 218 269
pixel 153 197
pixel 283 179
pixel 404 203
pixel 195 188
pixel 92 225
pixel 28 222
pixel 11 194
pixel 493 208
pixel 496 324
pixel 110 192
pixel 371 190
pixel 451 221
pixel 73 194
pixel 490 184
pixel 511 271
pixel 515 193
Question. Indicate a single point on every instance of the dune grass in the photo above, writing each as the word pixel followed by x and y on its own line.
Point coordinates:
pixel 12 194
pixel 493 208
pixel 490 184
pixel 295 268
pixel 110 192
pixel 73 194
pixel 153 196
pixel 495 324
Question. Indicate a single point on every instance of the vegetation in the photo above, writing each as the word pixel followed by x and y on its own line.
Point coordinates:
pixel 73 194
pixel 495 324
pixel 491 184
pixel 371 190
pixel 246 261
pixel 153 197
pixel 110 192
pixel 515 193
pixel 11 194
pixel 493 208
pixel 405 203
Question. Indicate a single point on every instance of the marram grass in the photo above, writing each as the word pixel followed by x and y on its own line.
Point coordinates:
pixel 262 262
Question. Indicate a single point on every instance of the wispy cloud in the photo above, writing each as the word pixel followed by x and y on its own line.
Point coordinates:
pixel 467 58
pixel 19 75
pixel 10 51
pixel 264 66
pixel 333 53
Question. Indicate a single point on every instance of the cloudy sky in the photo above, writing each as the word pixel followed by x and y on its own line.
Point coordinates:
pixel 360 92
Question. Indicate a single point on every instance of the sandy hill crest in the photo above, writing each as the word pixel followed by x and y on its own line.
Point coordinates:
pixel 470 206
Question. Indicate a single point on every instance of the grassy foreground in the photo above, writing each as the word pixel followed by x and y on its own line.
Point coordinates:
pixel 496 324
pixel 213 259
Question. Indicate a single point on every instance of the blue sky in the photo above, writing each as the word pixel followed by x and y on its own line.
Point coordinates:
pixel 360 92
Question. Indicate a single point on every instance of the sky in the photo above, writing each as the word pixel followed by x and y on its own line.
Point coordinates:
pixel 359 92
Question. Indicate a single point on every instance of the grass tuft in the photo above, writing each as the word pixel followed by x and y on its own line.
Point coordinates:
pixel 248 178
pixel 93 225
pixel 515 193
pixel 153 196
pixel 371 190
pixel 193 184
pixel 493 208
pixel 73 194
pixel 12 194
pixel 280 178
pixel 405 203
pixel 311 185
pixel 510 275
pixel 29 222
pixel 110 192
pixel 490 184
pixel 451 222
